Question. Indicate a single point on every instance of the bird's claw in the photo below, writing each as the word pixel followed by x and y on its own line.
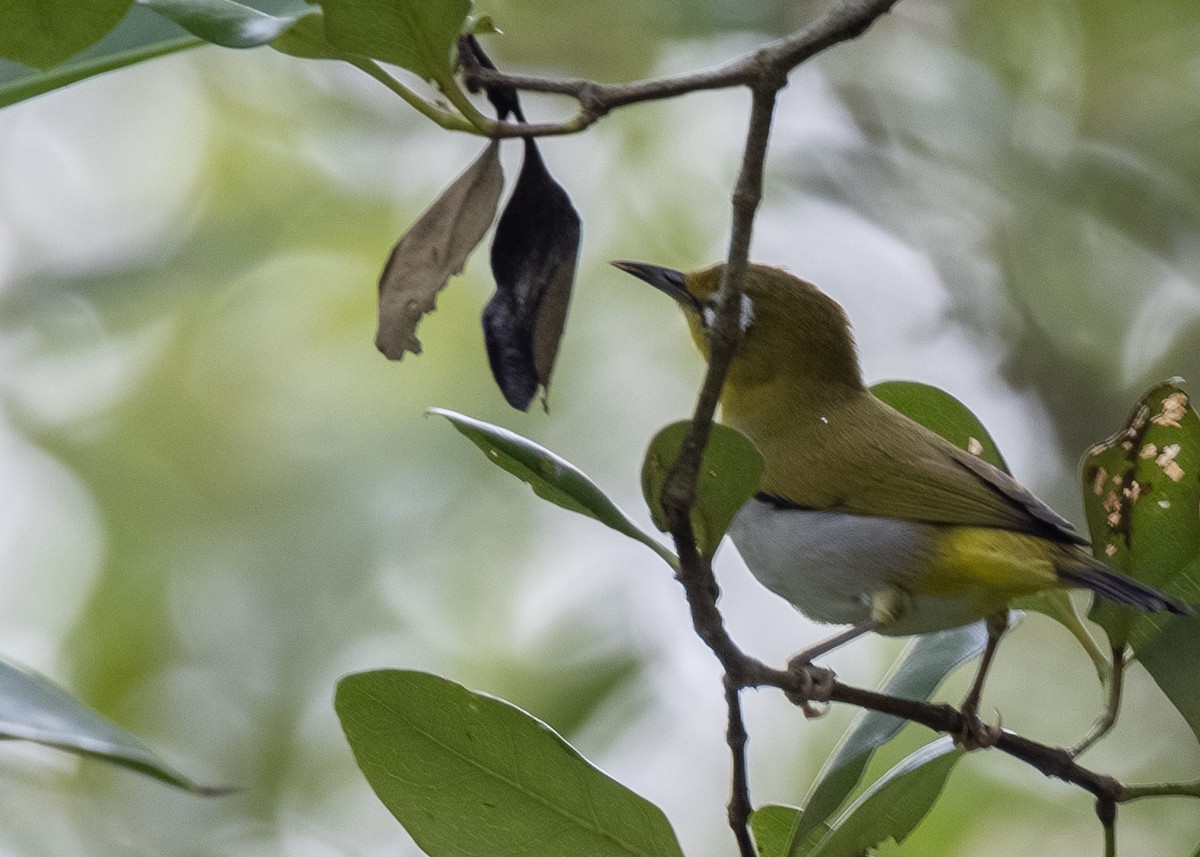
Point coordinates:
pixel 977 735
pixel 813 684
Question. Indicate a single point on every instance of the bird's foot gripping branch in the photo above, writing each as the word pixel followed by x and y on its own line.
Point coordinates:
pixel 401 724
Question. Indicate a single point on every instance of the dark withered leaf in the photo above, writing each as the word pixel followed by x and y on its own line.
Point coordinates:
pixel 503 98
pixel 533 261
pixel 434 249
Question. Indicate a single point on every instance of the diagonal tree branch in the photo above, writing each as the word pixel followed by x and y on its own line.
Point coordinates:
pixel 841 22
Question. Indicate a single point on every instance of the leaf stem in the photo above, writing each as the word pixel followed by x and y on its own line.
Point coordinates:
pixel 443 118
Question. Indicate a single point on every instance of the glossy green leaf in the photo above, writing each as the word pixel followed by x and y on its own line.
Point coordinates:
pixel 419 35
pixel 550 476
pixel 33 708
pixel 940 412
pixel 895 804
pixel 224 22
pixel 42 33
pixel 730 472
pixel 916 674
pixel 773 825
pixel 469 774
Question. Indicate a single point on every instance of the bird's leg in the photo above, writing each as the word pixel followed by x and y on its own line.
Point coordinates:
pixel 976 733
pixel 824 647
pixel 816 680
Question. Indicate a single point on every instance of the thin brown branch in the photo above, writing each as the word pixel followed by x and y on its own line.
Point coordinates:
pixel 739 808
pixel 1129 793
pixel 841 22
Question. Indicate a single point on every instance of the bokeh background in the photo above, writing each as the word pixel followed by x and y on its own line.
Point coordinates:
pixel 216 496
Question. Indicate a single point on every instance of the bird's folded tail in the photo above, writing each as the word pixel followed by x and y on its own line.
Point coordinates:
pixel 1123 589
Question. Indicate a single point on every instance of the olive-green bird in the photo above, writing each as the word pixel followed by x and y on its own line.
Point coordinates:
pixel 864 517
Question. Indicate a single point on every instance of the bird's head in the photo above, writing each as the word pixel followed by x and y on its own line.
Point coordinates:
pixel 794 337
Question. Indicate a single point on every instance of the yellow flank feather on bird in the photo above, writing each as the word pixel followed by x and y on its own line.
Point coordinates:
pixel 864 516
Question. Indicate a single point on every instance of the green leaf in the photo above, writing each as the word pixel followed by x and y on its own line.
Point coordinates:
pixel 419 35
pixel 224 22
pixel 306 40
pixel 33 708
pixel 895 803
pixel 469 774
pixel 551 477
pixel 730 472
pixel 916 674
pixel 772 826
pixel 940 412
pixel 42 33
pixel 140 36
pixel 1173 660
pixel 1141 493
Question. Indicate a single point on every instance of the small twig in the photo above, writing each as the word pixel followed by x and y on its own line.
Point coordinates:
pixel 1106 811
pixel 739 808
pixel 841 22
pixel 1112 707
pixel 1129 793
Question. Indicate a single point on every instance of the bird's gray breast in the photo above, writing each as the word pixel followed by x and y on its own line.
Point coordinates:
pixel 828 564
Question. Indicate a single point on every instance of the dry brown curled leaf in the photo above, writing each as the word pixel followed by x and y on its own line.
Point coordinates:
pixel 434 249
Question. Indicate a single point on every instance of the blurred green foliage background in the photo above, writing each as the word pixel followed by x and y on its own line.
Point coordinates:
pixel 217 496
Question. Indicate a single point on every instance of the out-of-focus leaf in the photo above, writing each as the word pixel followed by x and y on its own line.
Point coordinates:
pixel 533 261
pixel 434 249
pixel 772 826
pixel 33 708
pixel 419 35
pixel 1141 492
pixel 224 22
pixel 916 674
pixel 551 477
pixel 940 412
pixel 730 471
pixel 21 87
pixel 1172 658
pixel 895 803
pixel 42 33
pixel 306 39
pixel 469 774
pixel 482 25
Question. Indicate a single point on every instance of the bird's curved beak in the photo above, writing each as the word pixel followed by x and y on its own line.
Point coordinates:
pixel 664 279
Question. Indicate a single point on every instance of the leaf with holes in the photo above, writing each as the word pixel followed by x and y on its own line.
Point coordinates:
pixel 1141 490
